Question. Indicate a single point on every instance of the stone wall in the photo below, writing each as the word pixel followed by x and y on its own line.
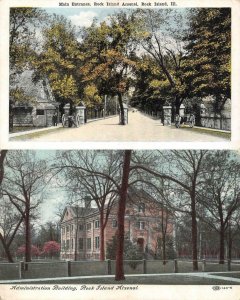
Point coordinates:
pixel 23 117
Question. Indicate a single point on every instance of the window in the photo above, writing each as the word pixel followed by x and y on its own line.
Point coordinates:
pixel 72 227
pixel 89 243
pixel 97 242
pixel 114 223
pixel 89 226
pixel 80 244
pixel 141 208
pixel 97 224
pixel 72 243
pixel 80 227
pixel 68 228
pixel 67 244
pixel 63 230
pixel 40 112
pixel 141 225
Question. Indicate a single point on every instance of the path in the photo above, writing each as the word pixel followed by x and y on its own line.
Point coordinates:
pixel 140 128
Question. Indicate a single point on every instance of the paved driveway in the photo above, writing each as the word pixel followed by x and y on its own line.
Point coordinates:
pixel 140 128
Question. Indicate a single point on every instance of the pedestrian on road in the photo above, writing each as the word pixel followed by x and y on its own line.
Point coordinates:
pixel 55 119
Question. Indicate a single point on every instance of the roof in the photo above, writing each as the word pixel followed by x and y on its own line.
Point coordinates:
pixel 39 91
pixel 79 211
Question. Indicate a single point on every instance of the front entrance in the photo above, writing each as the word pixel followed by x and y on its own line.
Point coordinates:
pixel 140 243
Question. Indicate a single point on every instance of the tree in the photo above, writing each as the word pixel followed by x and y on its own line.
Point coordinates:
pixel 3 154
pixel 10 222
pixel 22 37
pixel 163 42
pixel 59 61
pixel 207 63
pixel 121 170
pixel 34 250
pixel 51 248
pixel 79 170
pixel 131 250
pixel 221 194
pixel 184 170
pixel 150 93
pixel 121 214
pixel 23 45
pixel 109 51
pixel 23 184
pixel 47 232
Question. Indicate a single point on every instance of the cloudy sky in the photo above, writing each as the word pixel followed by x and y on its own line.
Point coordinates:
pixel 82 16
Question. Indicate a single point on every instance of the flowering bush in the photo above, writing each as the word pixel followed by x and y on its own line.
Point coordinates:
pixel 34 250
pixel 51 248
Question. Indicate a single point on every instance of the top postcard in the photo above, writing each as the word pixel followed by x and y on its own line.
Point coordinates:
pixel 121 71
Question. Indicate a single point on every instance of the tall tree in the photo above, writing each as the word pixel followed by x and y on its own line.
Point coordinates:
pixel 23 184
pixel 83 181
pixel 121 214
pixel 161 37
pixel 59 59
pixel 207 63
pixel 23 45
pixel 221 194
pixel 22 37
pixel 109 51
pixel 3 154
pixel 10 221
pixel 184 169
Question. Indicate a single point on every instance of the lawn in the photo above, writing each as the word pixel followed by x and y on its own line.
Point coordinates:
pixel 34 134
pixel 172 279
pixel 221 134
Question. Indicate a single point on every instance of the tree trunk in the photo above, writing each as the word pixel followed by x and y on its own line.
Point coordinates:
pixel 120 101
pixel 230 242
pixel 102 247
pixel 2 157
pixel 164 248
pixel 27 235
pixel 76 240
pixel 194 232
pixel 177 105
pixel 6 249
pixel 119 275
pixel 221 245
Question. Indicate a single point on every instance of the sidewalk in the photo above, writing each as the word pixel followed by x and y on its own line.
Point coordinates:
pixel 50 128
pixel 140 128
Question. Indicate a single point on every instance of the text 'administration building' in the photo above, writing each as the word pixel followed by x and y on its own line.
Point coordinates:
pixel 145 222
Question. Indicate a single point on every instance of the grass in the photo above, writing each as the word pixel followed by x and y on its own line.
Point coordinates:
pixel 234 275
pixel 34 134
pixel 225 135
pixel 22 128
pixel 143 280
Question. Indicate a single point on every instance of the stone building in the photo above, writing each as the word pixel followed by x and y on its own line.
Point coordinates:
pixel 38 106
pixel 80 226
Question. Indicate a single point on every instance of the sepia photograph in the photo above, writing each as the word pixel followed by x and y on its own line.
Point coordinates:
pixel 120 74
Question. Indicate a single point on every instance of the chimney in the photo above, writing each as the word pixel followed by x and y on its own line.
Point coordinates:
pixel 87 202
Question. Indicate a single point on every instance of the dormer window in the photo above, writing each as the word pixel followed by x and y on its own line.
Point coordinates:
pixel 141 207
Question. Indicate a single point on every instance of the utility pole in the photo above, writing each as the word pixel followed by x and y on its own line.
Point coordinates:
pixel 105 105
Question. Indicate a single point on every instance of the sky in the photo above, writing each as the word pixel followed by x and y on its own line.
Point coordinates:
pixel 82 16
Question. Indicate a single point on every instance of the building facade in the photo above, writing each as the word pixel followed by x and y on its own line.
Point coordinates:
pixel 145 223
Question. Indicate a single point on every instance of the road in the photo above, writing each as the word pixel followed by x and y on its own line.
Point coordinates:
pixel 140 128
